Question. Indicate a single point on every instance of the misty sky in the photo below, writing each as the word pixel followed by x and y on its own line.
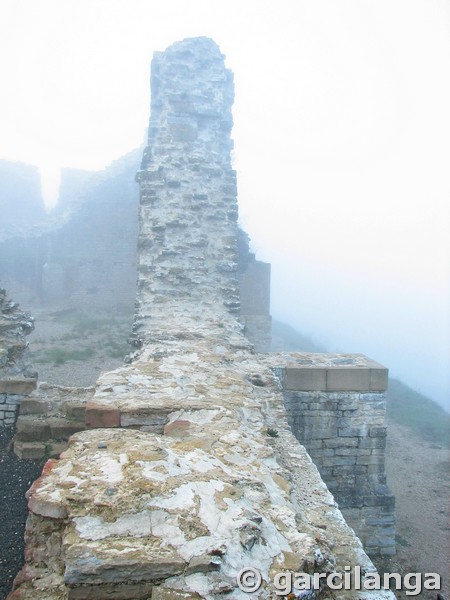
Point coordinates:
pixel 342 148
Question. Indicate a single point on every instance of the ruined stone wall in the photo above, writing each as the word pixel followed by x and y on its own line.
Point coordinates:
pixel 188 471
pixel 188 214
pixel 17 379
pixel 83 254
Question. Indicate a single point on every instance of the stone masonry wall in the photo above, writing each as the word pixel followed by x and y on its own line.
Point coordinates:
pixel 181 480
pixel 336 408
pixel 17 379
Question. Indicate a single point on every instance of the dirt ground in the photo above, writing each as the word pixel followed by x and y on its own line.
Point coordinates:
pixel 418 473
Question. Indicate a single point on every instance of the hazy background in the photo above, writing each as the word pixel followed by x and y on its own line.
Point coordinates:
pixel 341 133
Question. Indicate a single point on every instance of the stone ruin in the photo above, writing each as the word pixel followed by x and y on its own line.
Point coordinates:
pixel 17 379
pixel 184 467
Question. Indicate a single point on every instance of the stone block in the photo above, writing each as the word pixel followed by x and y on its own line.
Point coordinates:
pixel 348 379
pixel 381 521
pixel 17 386
pixel 62 429
pixel 379 379
pixel 373 398
pixel 344 460
pixel 316 433
pixel 204 563
pixel 46 508
pixel 305 378
pixel 29 450
pixel 12 400
pixel 99 415
pixel 101 563
pixel 353 431
pixel 30 429
pixel 341 442
pixel 75 411
pixel 108 591
pixel 33 406
pixel 378 432
pixel 346 452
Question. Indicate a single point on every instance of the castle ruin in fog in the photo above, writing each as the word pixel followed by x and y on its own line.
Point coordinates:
pixel 194 459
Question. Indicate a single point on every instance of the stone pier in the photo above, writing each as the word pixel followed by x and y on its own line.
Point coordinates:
pixel 336 408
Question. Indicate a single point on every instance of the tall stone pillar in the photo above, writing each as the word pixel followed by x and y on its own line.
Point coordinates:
pixel 188 212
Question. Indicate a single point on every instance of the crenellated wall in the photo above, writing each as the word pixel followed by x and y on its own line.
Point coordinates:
pixel 188 470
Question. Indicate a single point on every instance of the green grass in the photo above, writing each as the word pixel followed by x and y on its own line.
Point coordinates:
pixel 425 417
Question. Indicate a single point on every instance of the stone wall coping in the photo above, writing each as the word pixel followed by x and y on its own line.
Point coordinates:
pixel 330 372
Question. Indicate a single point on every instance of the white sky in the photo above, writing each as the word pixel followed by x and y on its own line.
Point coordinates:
pixel 341 136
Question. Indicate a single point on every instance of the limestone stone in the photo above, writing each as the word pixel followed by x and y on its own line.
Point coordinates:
pixel 29 450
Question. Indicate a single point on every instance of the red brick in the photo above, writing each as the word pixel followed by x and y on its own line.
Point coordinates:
pixel 98 416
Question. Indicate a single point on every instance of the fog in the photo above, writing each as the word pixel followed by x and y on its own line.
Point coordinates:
pixel 341 136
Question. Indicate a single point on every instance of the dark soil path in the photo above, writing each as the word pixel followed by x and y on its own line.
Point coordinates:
pixel 16 477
